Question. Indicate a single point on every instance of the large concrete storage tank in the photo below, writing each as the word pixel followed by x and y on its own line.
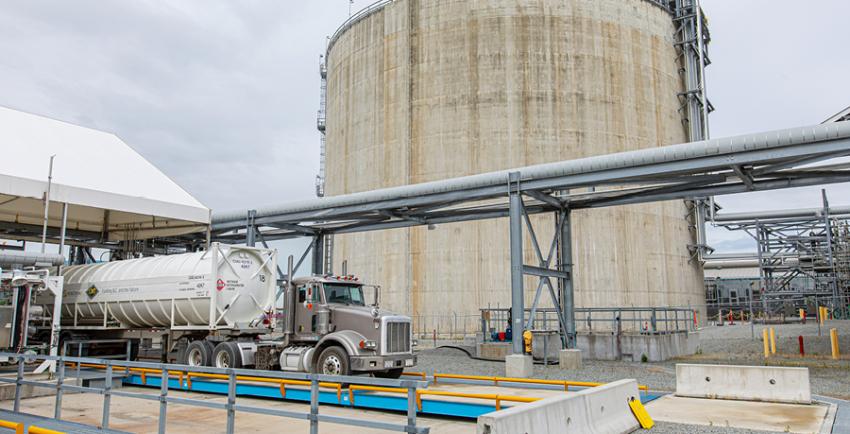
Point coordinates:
pixel 422 90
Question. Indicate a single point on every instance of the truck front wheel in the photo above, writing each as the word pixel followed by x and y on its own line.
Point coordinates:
pixel 395 374
pixel 333 361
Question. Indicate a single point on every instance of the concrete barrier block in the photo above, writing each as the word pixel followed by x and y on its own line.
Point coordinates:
pixel 598 410
pixel 747 383
pixel 608 407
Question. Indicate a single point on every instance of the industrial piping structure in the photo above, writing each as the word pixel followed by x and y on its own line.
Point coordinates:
pixel 754 162
pixel 810 243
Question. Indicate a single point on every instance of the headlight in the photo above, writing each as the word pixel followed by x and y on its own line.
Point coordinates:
pixel 368 345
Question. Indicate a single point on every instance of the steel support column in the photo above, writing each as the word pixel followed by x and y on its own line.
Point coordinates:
pixel 63 230
pixel 829 250
pixel 251 228
pixel 318 260
pixel 566 266
pixel 517 293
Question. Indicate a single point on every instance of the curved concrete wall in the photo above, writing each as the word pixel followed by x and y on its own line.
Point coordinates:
pixel 421 90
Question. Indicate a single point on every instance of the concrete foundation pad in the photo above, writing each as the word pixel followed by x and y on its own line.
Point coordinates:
pixel 519 366
pixel 635 347
pixel 760 416
pixel 493 350
pixel 569 359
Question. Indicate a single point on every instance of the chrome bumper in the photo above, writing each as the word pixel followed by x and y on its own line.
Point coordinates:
pixel 380 363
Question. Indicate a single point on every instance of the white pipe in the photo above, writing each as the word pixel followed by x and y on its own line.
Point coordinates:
pixel 47 204
pixel 29 259
pixel 835 211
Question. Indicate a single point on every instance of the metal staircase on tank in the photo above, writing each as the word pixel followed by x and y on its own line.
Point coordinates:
pixel 321 117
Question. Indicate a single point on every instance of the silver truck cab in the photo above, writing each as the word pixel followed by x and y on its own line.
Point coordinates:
pixel 337 331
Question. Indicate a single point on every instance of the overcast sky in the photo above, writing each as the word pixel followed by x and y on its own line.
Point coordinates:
pixel 222 95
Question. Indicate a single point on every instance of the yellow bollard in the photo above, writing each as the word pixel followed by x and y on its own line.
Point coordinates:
pixel 833 337
pixel 821 314
pixel 772 341
pixel 527 337
pixel 802 314
pixel 766 344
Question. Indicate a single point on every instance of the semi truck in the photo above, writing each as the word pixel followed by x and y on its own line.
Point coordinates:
pixel 218 307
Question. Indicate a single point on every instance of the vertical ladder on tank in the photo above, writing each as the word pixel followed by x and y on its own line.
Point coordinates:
pixel 320 125
pixel 691 40
pixel 320 178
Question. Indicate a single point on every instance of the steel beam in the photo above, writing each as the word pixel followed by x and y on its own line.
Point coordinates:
pixel 318 259
pixel 566 285
pixel 544 272
pixel 250 228
pixel 517 292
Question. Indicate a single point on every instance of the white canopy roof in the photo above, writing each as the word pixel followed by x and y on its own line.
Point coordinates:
pixel 110 189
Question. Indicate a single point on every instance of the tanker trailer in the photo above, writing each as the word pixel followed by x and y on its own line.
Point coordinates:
pixel 201 305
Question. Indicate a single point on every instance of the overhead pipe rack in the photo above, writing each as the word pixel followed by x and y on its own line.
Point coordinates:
pixel 753 162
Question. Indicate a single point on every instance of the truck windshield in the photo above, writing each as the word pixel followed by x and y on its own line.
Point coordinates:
pixel 344 294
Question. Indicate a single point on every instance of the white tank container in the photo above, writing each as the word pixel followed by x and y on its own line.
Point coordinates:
pixel 226 287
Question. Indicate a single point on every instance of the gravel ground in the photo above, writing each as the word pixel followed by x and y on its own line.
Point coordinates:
pixel 731 344
pixel 719 345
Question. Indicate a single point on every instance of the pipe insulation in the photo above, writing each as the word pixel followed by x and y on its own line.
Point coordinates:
pixel 13 258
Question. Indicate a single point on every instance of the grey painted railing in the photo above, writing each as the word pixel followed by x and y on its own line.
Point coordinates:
pixel 231 407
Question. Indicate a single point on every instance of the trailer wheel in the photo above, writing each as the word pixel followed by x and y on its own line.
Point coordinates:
pixel 198 353
pixel 333 361
pixel 227 355
pixel 395 374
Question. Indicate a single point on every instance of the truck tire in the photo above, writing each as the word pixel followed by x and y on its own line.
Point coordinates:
pixel 333 361
pixel 394 374
pixel 198 353
pixel 227 355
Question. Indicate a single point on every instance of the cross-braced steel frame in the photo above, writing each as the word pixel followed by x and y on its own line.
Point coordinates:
pixel 764 161
pixel 790 248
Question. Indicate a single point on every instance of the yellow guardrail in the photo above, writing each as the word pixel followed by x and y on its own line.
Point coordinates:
pixel 189 375
pixel 496 380
pixel 352 388
pixel 17 426
pixel 283 382
pixel 420 392
pixel 38 430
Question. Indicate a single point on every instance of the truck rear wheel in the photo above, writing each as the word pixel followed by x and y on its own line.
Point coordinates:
pixel 198 353
pixel 227 355
pixel 395 374
pixel 333 361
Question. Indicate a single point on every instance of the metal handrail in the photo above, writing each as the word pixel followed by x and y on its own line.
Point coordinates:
pixel 419 392
pixel 646 320
pixel 378 5
pixel 17 426
pixel 357 16
pixel 496 380
pixel 165 371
